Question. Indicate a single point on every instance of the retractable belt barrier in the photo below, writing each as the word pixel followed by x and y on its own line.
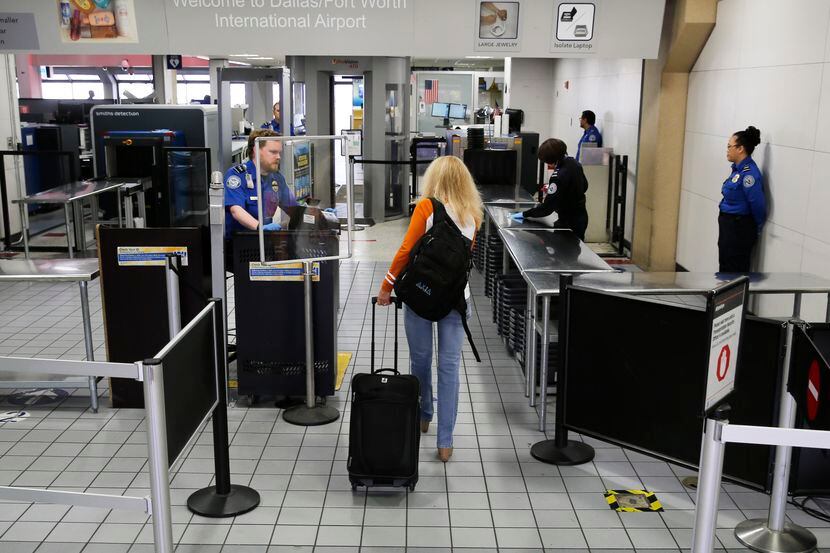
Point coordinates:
pixel 804 396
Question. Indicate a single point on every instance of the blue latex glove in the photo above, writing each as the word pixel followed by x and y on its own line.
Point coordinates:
pixel 272 226
pixel 518 216
pixel 330 210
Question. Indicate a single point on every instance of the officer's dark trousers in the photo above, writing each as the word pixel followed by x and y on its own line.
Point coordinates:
pixel 578 223
pixel 735 241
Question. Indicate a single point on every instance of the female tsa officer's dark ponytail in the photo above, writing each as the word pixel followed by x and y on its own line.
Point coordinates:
pixel 748 138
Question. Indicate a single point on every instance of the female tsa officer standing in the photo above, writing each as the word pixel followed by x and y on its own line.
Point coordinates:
pixel 743 208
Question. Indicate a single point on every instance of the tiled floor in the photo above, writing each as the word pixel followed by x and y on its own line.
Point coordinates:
pixel 492 496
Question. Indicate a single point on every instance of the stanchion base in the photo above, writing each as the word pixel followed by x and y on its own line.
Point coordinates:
pixel 302 415
pixel 756 535
pixel 207 503
pixel 575 453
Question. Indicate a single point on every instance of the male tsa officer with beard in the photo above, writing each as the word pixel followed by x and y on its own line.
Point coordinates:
pixel 241 210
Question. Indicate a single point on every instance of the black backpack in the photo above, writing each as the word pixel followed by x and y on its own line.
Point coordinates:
pixel 433 282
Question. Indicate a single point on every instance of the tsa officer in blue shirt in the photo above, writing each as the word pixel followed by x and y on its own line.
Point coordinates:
pixel 241 211
pixel 743 209
pixel 591 134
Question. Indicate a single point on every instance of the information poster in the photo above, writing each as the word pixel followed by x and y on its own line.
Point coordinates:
pixel 97 21
pixel 284 272
pixel 727 310
pixel 150 256
pixel 497 26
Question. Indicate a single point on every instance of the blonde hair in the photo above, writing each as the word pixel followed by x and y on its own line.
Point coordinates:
pixel 449 181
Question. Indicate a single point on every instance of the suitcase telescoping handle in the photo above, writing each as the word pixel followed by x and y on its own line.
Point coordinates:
pixel 398 304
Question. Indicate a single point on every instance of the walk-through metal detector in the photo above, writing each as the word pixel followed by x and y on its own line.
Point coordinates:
pixel 256 76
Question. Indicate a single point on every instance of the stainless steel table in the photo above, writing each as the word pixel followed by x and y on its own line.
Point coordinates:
pixel 497 193
pixel 551 252
pixel 57 270
pixel 70 196
pixel 659 283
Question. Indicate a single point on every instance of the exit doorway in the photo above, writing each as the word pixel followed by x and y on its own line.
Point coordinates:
pixel 347 114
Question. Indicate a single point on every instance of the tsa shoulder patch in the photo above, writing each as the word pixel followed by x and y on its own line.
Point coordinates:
pixel 592 138
pixel 749 180
pixel 633 501
pixel 233 182
pixel 552 188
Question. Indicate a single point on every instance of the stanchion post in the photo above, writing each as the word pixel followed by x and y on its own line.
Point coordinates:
pixel 776 535
pixel 224 499
pixel 4 198
pixel 530 348
pixel 157 445
pixel 90 350
pixel 560 450
pixel 174 317
pixel 709 480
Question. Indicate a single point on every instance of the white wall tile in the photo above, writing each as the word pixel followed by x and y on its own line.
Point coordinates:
pixel 722 50
pixel 779 249
pixel 699 175
pixel 712 102
pixel 783 33
pixel 816 260
pixel 697 233
pixel 822 137
pixel 787 172
pixel 781 101
pixel 818 207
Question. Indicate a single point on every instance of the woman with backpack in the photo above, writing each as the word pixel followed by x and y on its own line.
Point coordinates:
pixel 458 205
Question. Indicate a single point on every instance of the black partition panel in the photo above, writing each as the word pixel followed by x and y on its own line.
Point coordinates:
pixel 644 387
pixel 492 167
pixel 809 384
pixel 270 315
pixel 134 298
pixel 189 375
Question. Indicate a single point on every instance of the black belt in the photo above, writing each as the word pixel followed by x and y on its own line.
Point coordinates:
pixel 735 216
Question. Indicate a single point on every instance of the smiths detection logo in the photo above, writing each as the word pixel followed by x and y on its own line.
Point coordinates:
pixel 575 22
pixel 424 288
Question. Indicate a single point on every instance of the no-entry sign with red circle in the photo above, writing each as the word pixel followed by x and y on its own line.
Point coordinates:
pixel 723 362
pixel 813 390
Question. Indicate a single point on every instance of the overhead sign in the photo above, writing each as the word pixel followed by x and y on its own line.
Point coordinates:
pixel 174 61
pixel 726 309
pixel 342 28
pixel 18 31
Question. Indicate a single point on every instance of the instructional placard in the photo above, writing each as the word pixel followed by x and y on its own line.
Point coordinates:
pixel 150 256
pixel 284 272
pixel 727 309
pixel 18 31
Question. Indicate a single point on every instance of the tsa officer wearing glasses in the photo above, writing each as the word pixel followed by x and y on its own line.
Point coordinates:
pixel 241 211
pixel 743 209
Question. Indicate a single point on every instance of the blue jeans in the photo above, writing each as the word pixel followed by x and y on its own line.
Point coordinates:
pixel 450 337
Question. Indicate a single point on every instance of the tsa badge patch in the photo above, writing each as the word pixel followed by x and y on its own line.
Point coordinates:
pixel 275 185
pixel 233 182
pixel 552 188
pixel 749 180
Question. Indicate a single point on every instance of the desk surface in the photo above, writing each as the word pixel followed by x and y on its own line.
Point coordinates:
pixel 48 270
pixel 552 251
pixel 237 145
pixel 500 194
pixel 73 191
pixel 700 283
pixel 500 215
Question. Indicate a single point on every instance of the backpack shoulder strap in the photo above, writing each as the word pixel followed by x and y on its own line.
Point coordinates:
pixel 462 310
pixel 439 213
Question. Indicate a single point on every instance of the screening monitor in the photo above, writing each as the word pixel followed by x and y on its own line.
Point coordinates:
pixel 440 109
pixel 458 111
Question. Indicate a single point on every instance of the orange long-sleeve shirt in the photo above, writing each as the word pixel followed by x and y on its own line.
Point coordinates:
pixel 420 222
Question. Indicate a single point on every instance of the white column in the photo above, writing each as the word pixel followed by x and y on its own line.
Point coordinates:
pixel 10 137
pixel 213 65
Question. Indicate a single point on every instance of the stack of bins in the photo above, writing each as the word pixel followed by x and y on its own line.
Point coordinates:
pixel 553 347
pixel 479 250
pixel 509 303
pixel 494 251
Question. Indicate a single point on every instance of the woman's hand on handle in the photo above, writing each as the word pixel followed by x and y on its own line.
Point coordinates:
pixel 384 298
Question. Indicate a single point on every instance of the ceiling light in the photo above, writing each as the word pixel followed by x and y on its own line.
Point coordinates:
pixel 479 57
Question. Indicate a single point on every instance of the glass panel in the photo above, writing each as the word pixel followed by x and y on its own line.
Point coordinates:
pixel 81 91
pixel 443 88
pixel 237 94
pixel 82 77
pixel 138 90
pixel 56 91
pixel 190 92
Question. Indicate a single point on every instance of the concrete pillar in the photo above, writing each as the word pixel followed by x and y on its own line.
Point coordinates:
pixel 213 65
pixel 686 29
pixel 28 76
pixel 164 81
pixel 9 138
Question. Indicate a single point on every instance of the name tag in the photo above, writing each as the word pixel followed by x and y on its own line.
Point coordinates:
pixel 253 198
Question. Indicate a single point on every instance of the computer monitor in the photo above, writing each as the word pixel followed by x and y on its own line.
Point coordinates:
pixel 441 109
pixel 458 111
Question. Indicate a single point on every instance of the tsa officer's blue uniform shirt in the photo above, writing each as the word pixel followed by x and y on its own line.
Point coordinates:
pixel 240 189
pixel 743 192
pixel 274 125
pixel 591 136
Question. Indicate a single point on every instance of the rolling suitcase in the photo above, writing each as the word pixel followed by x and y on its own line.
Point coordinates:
pixel 384 434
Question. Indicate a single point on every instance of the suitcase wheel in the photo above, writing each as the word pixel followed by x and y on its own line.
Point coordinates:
pixel 412 487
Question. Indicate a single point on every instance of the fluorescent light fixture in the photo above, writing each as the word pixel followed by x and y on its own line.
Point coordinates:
pixel 260 58
pixel 479 57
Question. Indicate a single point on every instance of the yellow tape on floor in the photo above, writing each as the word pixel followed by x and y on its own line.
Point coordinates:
pixel 343 359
